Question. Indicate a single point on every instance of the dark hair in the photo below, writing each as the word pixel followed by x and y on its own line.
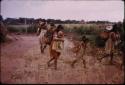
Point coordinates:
pixel 115 28
pixel 43 20
pixel 59 27
pixel 52 24
pixel 43 24
pixel 84 39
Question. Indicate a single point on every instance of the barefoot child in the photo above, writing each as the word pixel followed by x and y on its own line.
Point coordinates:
pixel 56 46
pixel 81 51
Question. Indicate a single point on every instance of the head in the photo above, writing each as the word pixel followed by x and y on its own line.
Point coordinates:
pixel 59 28
pixel 84 39
pixel 42 22
pixel 52 24
pixel 115 28
pixel 112 28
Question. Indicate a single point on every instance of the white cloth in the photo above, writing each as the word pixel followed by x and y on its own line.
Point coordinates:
pixel 41 36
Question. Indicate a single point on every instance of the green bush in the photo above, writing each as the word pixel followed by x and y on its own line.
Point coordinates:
pixel 99 42
pixel 12 29
pixel 31 29
pixel 22 28
pixel 90 31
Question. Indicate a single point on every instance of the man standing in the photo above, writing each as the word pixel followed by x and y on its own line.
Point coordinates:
pixel 110 43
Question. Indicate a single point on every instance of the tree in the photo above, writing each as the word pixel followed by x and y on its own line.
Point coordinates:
pixel 1 18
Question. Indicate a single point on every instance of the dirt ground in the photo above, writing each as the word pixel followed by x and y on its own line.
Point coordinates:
pixel 22 63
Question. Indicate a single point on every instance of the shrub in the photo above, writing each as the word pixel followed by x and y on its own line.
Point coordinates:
pixel 12 29
pixel 99 42
pixel 31 29
pixel 90 31
pixel 22 28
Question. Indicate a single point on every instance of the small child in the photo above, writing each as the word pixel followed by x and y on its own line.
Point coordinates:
pixel 81 51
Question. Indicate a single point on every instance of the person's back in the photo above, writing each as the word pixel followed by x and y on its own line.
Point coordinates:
pixel 49 34
pixel 42 27
pixel 110 43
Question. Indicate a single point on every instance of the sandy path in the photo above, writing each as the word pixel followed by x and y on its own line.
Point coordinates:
pixel 22 62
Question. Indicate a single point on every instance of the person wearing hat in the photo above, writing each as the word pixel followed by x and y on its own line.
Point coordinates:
pixel 47 36
pixel 42 28
pixel 42 25
pixel 110 43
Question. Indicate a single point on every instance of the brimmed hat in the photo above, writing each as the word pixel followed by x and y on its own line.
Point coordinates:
pixel 109 27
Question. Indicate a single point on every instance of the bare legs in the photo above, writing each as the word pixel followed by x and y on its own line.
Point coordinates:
pixel 42 48
pixel 54 56
pixel 76 60
pixel 108 55
pixel 80 57
pixel 50 61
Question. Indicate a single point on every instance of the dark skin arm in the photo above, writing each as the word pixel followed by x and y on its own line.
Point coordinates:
pixel 58 39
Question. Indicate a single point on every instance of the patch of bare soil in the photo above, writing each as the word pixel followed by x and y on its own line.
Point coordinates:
pixel 22 63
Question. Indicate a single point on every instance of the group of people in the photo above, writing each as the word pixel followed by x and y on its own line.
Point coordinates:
pixel 54 37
